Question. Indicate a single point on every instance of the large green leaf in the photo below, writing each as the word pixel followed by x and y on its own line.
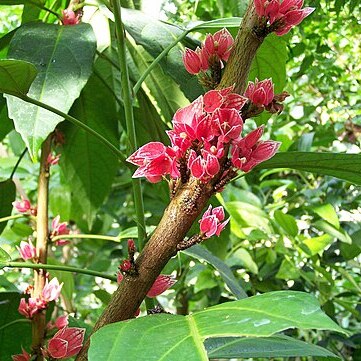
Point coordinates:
pixel 16 76
pixel 202 253
pixel 177 336
pixel 343 166
pixel 275 346
pixel 7 196
pixel 88 165
pixel 14 335
pixel 155 36
pixel 6 125
pixel 63 56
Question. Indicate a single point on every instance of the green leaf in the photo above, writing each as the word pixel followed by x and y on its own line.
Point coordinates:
pixel 202 253
pixel 332 231
pixel 4 258
pixel 7 196
pixel 16 76
pixel 343 166
pixel 287 222
pixel 317 244
pixel 176 336
pixel 270 347
pixel 63 56
pixel 15 330
pixel 232 22
pixel 6 125
pixel 155 36
pixel 288 271
pixel 88 166
pixel 241 257
pixel 328 213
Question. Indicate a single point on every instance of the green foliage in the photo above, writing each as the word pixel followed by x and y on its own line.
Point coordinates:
pixel 50 48
pixel 7 196
pixel 176 336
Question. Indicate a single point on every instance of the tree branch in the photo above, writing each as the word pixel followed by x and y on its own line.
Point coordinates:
pixel 186 205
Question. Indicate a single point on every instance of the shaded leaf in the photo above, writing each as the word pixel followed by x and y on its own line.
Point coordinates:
pixel 16 76
pixel 202 253
pixel 7 196
pixel 343 166
pixel 287 222
pixel 63 56
pixel 276 346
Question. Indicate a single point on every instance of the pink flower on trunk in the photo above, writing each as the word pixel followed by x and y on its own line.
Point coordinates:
pixel 59 229
pixel 51 290
pixel 224 98
pixel 204 166
pixel 155 160
pixel 60 322
pixel 67 342
pixel 53 159
pixel 30 307
pixel 27 250
pixel 219 44
pixel 195 61
pixel 160 285
pixel 260 92
pixel 212 223
pixel 228 124
pixel 70 18
pixel 24 356
pixel 284 15
pixel 251 151
pixel 22 206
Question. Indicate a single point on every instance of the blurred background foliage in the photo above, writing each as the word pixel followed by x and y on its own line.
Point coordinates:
pixel 289 229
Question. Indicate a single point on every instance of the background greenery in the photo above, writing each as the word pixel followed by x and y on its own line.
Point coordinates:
pixel 290 229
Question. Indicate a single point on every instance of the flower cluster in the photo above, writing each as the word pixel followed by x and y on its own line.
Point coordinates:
pixel 24 206
pixel 27 250
pixel 214 51
pixel 51 292
pixel 281 17
pixel 53 159
pixel 202 134
pixel 212 222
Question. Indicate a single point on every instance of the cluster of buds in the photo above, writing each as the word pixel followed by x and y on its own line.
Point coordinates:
pixel 281 17
pixel 59 229
pixel 212 222
pixel 24 206
pixel 203 133
pixel 51 292
pixel 53 159
pixel 70 17
pixel 215 50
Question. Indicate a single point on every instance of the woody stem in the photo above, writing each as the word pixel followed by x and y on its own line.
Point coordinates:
pixel 39 322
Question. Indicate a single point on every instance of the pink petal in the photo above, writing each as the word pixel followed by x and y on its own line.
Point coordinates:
pixel 161 284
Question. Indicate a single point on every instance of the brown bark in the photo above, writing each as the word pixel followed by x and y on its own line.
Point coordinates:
pixel 39 322
pixel 186 205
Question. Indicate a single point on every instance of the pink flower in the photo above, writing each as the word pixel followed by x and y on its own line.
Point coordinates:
pixel 59 229
pixel 160 285
pixel 53 159
pixel 22 206
pixel 204 166
pixel 27 250
pixel 228 124
pixel 155 160
pixel 195 61
pixel 62 321
pixel 70 18
pixel 251 151
pixel 51 290
pixel 224 98
pixel 24 356
pixel 284 15
pixel 30 307
pixel 260 92
pixel 212 223
pixel 219 44
pixel 67 342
